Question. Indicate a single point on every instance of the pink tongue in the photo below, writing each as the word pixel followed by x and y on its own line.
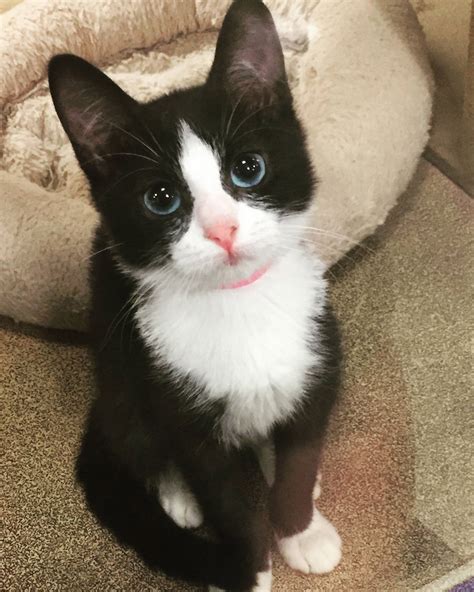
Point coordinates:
pixel 247 281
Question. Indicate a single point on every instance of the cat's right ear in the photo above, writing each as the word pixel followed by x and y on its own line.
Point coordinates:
pixel 249 60
pixel 94 112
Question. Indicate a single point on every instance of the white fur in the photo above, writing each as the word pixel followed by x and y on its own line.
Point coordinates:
pixel 251 346
pixel 254 346
pixel 201 170
pixel 315 550
pixel 256 241
pixel 264 583
pixel 177 500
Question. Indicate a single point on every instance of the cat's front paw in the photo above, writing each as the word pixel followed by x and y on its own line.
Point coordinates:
pixel 183 508
pixel 178 501
pixel 264 583
pixel 317 550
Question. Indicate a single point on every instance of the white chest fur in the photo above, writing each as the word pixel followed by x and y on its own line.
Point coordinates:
pixel 251 347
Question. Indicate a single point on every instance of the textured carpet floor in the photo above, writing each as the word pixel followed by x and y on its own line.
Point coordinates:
pixel 397 465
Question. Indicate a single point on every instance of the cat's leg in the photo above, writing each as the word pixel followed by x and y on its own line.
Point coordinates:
pixel 177 499
pixel 219 480
pixel 306 539
pixel 125 502
pixel 266 458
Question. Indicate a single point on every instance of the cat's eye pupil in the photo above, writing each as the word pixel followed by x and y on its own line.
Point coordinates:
pixel 162 199
pixel 163 196
pixel 248 167
pixel 248 170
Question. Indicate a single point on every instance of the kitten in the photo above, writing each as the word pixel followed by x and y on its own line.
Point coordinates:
pixel 211 329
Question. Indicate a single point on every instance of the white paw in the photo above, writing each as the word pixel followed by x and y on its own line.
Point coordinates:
pixel 178 501
pixel 182 507
pixel 315 550
pixel 264 583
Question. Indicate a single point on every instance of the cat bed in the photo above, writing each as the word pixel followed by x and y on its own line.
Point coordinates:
pixel 362 87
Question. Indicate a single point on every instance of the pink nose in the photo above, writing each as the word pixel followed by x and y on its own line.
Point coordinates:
pixel 222 234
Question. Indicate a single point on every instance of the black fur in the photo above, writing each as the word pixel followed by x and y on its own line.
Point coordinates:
pixel 138 421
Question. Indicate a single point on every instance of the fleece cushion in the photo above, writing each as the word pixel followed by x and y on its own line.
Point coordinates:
pixel 362 87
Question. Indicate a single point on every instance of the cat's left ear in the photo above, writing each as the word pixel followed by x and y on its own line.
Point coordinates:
pixel 95 112
pixel 249 59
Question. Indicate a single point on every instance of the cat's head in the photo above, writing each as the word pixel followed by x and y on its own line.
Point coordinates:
pixel 209 185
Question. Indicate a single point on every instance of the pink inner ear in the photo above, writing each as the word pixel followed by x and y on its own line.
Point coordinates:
pixel 91 126
pixel 263 67
pixel 254 73
pixel 88 125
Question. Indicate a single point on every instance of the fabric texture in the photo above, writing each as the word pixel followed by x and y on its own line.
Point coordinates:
pixel 361 82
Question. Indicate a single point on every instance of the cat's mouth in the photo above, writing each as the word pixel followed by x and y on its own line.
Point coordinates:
pixel 251 279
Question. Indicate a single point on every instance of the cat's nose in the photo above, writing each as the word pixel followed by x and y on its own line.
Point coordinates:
pixel 223 234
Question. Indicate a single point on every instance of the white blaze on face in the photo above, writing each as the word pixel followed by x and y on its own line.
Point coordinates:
pixel 227 240
pixel 200 166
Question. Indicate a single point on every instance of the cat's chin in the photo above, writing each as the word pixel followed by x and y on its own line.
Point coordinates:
pixel 246 281
pixel 241 273
pixel 222 276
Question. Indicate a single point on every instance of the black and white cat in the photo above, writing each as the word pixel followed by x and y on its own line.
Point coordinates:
pixel 212 333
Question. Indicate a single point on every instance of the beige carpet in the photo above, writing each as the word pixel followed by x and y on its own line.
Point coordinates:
pixel 396 470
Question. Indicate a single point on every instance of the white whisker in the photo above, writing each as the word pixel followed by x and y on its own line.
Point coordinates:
pixel 102 250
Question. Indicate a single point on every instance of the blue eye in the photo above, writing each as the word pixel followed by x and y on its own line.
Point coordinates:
pixel 248 170
pixel 162 199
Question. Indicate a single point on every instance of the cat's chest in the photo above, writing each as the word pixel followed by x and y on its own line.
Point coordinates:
pixel 251 348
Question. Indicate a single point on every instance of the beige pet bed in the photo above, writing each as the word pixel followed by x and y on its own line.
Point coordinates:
pixel 361 82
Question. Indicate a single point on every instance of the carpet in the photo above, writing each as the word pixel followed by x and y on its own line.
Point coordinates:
pixel 397 464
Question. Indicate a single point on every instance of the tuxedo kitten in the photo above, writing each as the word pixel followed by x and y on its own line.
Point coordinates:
pixel 212 333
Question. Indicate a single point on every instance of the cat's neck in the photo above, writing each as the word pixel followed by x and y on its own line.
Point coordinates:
pixel 251 347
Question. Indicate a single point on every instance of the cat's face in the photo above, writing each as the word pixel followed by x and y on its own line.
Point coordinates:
pixel 209 185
